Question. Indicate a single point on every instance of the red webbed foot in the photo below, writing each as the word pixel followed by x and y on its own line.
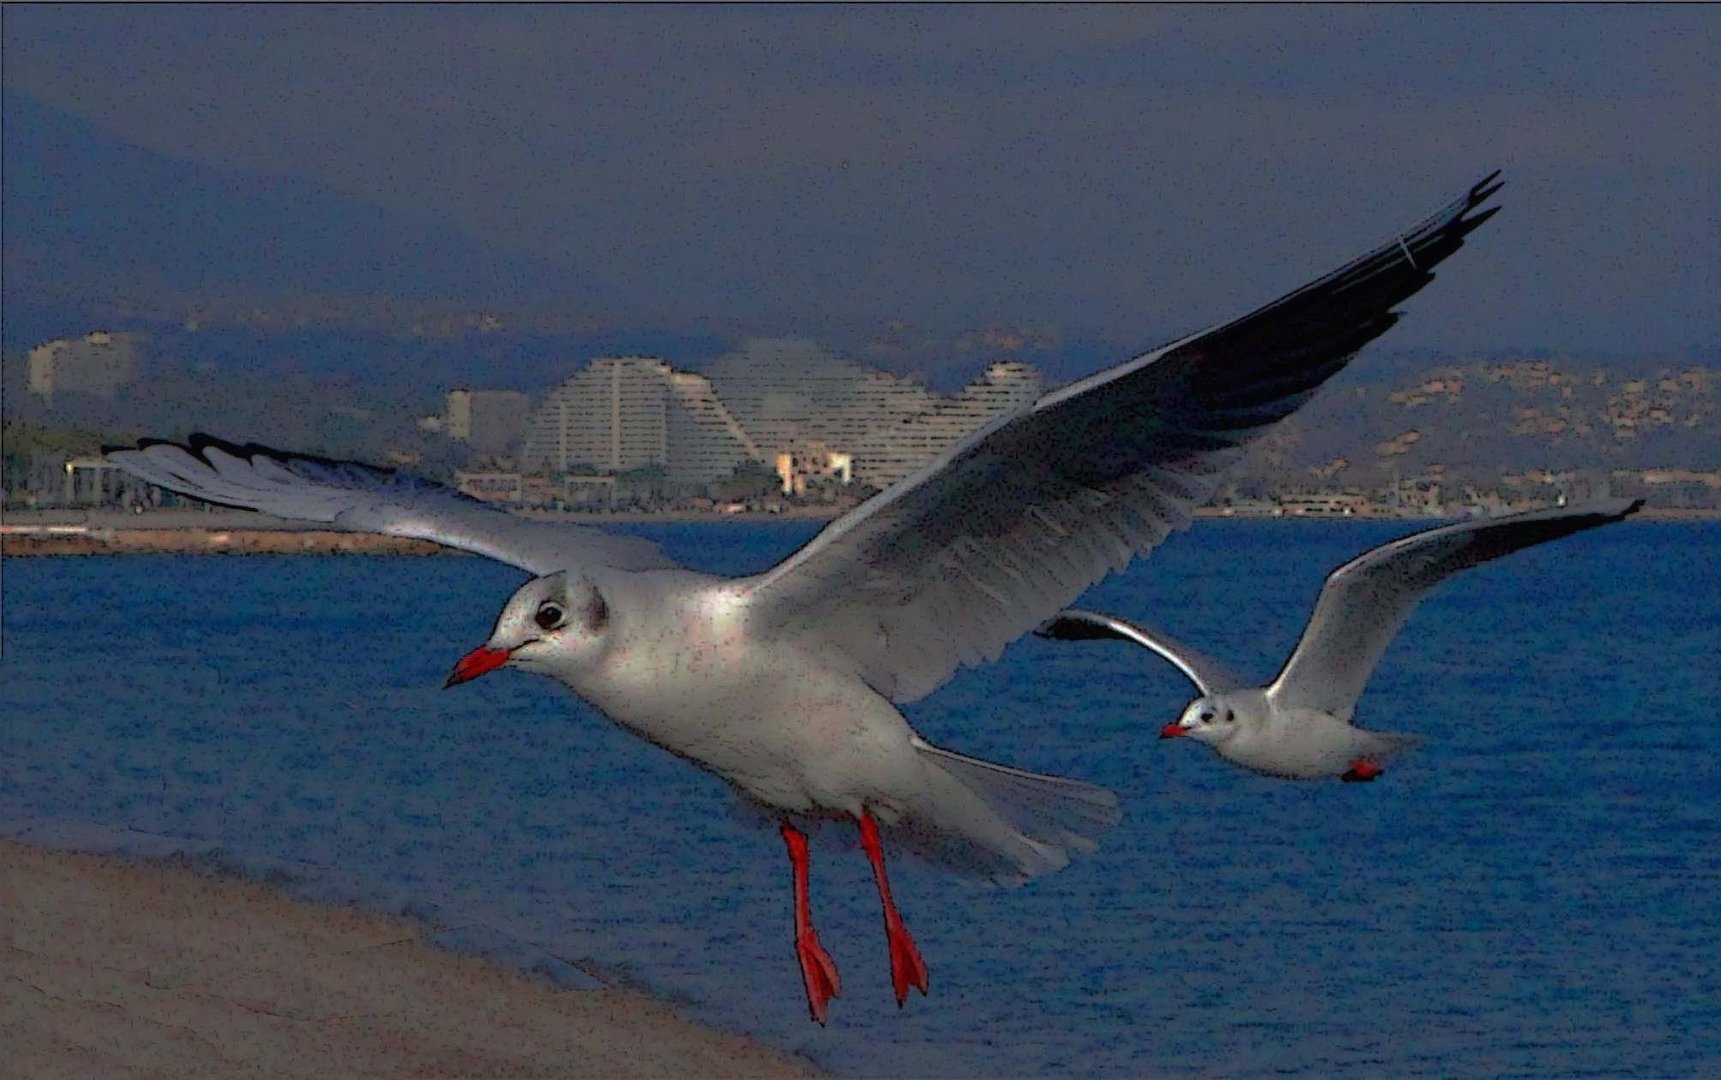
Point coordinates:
pixel 1361 771
pixel 818 973
pixel 906 967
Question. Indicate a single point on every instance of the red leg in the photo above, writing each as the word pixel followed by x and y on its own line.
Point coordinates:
pixel 906 967
pixel 1362 769
pixel 817 971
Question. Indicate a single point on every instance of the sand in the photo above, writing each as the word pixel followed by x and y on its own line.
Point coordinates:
pixel 113 967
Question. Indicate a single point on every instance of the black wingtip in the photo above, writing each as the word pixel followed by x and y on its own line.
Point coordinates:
pixel 1471 224
pixel 1481 189
pixel 1075 628
pixel 1636 505
pixel 141 444
pixel 200 441
pixel 1059 628
pixel 194 445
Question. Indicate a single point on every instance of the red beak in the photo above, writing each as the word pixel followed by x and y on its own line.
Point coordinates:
pixel 1173 731
pixel 476 663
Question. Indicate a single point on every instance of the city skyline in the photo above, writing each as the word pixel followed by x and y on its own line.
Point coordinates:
pixel 769 398
pixel 795 394
pixel 1489 431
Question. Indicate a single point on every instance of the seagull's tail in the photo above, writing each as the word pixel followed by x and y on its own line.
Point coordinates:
pixel 1003 824
pixel 1387 744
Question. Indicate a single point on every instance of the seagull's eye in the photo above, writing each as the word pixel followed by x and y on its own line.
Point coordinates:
pixel 1206 718
pixel 549 616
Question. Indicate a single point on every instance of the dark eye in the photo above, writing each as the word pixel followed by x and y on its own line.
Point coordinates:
pixel 549 616
pixel 1206 718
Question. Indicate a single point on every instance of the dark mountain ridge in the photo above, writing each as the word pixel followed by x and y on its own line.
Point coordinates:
pixel 93 220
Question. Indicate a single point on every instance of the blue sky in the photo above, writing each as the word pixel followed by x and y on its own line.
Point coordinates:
pixel 1122 172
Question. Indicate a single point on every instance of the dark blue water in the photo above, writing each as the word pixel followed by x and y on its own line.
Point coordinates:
pixel 1533 891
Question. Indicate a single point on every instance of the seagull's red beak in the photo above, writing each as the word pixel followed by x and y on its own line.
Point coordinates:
pixel 1173 731
pixel 476 663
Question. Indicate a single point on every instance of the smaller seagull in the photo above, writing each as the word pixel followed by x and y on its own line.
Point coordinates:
pixel 1299 726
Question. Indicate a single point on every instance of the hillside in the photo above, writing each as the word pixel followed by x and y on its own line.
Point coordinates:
pixel 1482 420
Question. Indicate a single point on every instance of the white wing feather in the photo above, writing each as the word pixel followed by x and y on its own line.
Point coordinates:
pixel 1208 674
pixel 1365 602
pixel 362 498
pixel 1017 520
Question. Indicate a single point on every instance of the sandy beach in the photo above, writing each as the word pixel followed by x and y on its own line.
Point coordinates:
pixel 115 967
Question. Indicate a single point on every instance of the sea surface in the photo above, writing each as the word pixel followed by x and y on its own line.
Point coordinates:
pixel 1537 890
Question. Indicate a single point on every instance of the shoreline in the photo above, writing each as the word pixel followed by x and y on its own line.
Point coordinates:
pixel 115 964
pixel 50 533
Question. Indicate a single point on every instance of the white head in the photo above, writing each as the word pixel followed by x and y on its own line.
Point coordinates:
pixel 1210 720
pixel 550 624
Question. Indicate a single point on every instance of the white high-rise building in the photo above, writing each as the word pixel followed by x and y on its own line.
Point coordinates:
pixel 778 389
pixel 893 426
pixel 770 398
pixel 611 417
pixel 625 413
pixel 705 441
pixel 1006 385
pixel 790 394
pixel 883 428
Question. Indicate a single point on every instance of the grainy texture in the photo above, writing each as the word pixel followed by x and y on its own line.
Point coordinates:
pixel 190 541
pixel 114 968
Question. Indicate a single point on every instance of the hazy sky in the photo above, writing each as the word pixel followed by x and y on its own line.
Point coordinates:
pixel 1129 172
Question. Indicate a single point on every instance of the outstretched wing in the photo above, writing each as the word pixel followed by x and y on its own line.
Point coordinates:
pixel 362 498
pixel 1208 675
pixel 1015 521
pixel 1366 601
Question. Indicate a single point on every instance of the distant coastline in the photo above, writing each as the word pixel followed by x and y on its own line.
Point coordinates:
pixel 189 532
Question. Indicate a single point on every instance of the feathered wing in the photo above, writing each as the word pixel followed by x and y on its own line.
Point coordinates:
pixel 362 498
pixel 1208 675
pixel 1366 601
pixel 1017 520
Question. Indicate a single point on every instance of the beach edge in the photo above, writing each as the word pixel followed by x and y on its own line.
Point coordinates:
pixel 112 964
